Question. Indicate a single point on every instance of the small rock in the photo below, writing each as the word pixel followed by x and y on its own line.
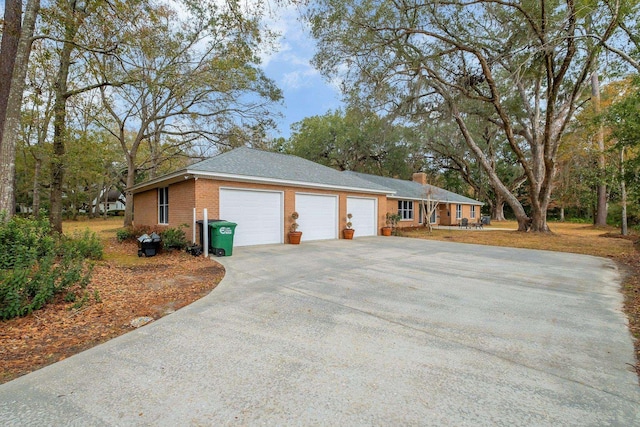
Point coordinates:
pixel 141 321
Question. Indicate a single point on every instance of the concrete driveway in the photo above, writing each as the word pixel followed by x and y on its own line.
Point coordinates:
pixel 375 331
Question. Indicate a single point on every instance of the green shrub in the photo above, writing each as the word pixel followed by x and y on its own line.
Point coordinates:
pixel 36 264
pixel 87 245
pixel 124 234
pixel 23 241
pixel 174 238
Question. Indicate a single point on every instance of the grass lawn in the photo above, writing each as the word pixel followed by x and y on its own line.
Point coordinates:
pixel 565 237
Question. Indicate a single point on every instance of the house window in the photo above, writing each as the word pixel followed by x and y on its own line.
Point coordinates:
pixel 424 210
pixel 473 211
pixel 458 211
pixel 405 209
pixel 163 205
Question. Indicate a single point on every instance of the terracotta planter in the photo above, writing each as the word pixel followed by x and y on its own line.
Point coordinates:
pixel 294 237
pixel 347 233
pixel 386 231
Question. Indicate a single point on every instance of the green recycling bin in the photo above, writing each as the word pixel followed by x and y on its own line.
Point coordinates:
pixel 221 237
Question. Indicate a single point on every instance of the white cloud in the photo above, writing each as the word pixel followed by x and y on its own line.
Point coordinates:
pixel 299 79
pixel 293 35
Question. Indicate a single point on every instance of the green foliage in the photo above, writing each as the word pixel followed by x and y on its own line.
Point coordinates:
pixel 36 265
pixel 623 117
pixel 124 234
pixel 87 245
pixel 23 241
pixel 614 214
pixel 393 218
pixel 174 238
pixel 357 140
pixel 82 301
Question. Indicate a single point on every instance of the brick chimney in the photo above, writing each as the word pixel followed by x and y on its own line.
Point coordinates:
pixel 420 178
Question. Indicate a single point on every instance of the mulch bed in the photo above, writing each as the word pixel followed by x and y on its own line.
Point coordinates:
pixel 117 294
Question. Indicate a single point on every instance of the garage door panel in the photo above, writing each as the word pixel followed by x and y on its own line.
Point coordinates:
pixel 258 215
pixel 365 214
pixel 318 216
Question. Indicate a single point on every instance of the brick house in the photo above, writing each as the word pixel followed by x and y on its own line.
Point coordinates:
pixel 260 190
pixel 415 199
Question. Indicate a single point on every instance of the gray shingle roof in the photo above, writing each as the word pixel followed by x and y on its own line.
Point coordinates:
pixel 412 190
pixel 248 163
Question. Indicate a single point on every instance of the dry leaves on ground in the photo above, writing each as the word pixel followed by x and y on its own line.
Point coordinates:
pixel 123 287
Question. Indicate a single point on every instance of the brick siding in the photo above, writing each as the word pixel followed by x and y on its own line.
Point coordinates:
pixel 204 193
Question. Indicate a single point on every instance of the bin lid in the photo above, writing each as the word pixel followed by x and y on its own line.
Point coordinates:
pixel 222 223
pixel 200 221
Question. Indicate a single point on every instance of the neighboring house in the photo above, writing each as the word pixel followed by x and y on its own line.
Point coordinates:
pixel 415 199
pixel 260 190
pixel 115 202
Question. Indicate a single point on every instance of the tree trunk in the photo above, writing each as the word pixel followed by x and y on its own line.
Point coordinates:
pixel 623 194
pixel 498 186
pixel 59 132
pixel 74 206
pixel 131 180
pixel 601 207
pixel 11 127
pixel 538 221
pixel 105 201
pixel 8 51
pixel 562 214
pixel 497 210
pixel 36 186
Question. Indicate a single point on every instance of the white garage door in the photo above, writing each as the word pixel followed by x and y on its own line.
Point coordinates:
pixel 318 216
pixel 258 215
pixel 365 215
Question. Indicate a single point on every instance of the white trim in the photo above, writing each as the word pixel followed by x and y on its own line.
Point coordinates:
pixel 166 204
pixel 260 180
pixel 205 232
pixel 251 179
pixel 393 197
pixel 264 190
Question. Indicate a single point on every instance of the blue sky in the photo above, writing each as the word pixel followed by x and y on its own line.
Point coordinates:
pixel 306 92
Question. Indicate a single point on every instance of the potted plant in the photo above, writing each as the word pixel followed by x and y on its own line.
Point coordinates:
pixel 347 233
pixel 294 234
pixel 392 222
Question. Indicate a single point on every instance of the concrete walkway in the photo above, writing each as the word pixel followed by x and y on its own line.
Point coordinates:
pixel 375 331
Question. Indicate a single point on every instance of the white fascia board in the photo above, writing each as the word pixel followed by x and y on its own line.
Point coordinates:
pixel 436 200
pixel 154 182
pixel 187 173
pixel 261 180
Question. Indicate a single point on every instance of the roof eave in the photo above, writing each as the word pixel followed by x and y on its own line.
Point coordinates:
pixel 474 202
pixel 187 173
